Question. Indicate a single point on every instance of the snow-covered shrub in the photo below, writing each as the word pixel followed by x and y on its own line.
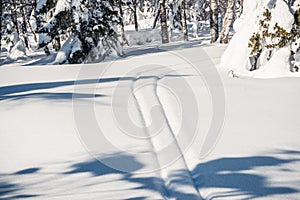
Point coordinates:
pixel 265 33
pixel 87 24
pixel 18 51
pixel 15 27
pixel 143 37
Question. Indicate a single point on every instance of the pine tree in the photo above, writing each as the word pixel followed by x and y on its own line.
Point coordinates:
pixel 271 40
pixel 90 29
pixel 15 26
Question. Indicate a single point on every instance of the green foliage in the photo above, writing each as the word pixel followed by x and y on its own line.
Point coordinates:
pixel 255 43
pixel 86 21
pixel 278 39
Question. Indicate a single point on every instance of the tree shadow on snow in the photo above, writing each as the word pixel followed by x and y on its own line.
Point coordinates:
pixel 230 173
pixel 29 90
pixel 11 92
pixel 130 52
pixel 14 191
pixel 226 173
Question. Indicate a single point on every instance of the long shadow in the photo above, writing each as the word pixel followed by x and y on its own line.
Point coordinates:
pixel 11 92
pixel 230 173
pixel 158 49
pixel 49 85
pixel 11 191
pixel 52 95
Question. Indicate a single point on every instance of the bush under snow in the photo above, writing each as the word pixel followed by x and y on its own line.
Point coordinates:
pixel 18 51
pixel 263 43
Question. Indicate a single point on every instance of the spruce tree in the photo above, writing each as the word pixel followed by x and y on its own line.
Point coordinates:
pixel 89 26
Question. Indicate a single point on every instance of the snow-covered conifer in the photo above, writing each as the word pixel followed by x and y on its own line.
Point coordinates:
pixel 89 27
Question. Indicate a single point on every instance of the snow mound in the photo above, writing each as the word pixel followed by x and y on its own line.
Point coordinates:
pixel 69 46
pixel 270 63
pixel 18 51
pixel 282 16
pixel 278 66
pixel 143 37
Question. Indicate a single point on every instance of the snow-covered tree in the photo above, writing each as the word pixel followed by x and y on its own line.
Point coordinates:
pixel 90 28
pixel 15 26
pixel 267 39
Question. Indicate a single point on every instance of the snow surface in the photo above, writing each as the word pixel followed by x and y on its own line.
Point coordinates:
pixel 43 154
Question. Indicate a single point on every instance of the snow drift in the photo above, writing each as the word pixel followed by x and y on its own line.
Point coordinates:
pixel 273 58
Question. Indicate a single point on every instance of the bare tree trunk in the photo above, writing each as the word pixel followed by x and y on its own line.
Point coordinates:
pixel 242 5
pixel 163 19
pixel 24 26
pixel 156 19
pixel 56 43
pixel 28 23
pixel 1 17
pixel 183 19
pixel 227 22
pixel 31 30
pixel 157 14
pixel 46 50
pixel 214 25
pixel 122 25
pixel 135 15
pixel 14 16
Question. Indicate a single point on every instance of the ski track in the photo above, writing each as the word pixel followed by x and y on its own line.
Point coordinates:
pixel 167 170
pixel 162 189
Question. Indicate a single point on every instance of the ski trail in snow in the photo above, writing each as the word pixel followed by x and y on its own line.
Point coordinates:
pixel 145 93
pixel 187 169
pixel 162 189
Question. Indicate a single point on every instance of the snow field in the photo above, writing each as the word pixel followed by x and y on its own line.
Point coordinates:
pixel 46 155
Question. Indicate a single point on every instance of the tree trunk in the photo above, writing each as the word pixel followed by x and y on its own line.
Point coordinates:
pixel 14 16
pixel 47 52
pixel 122 25
pixel 157 14
pixel 227 22
pixel 56 43
pixel 0 24
pixel 28 23
pixel 135 16
pixel 24 26
pixel 242 5
pixel 214 26
pixel 163 19
pixel 183 19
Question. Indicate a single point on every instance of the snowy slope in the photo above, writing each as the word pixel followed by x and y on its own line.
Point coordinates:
pixel 51 146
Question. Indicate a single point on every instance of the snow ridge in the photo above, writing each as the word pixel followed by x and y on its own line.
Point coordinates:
pixel 162 189
pixel 168 168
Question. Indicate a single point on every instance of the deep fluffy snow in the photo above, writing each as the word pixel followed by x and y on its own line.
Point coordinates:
pixel 44 154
